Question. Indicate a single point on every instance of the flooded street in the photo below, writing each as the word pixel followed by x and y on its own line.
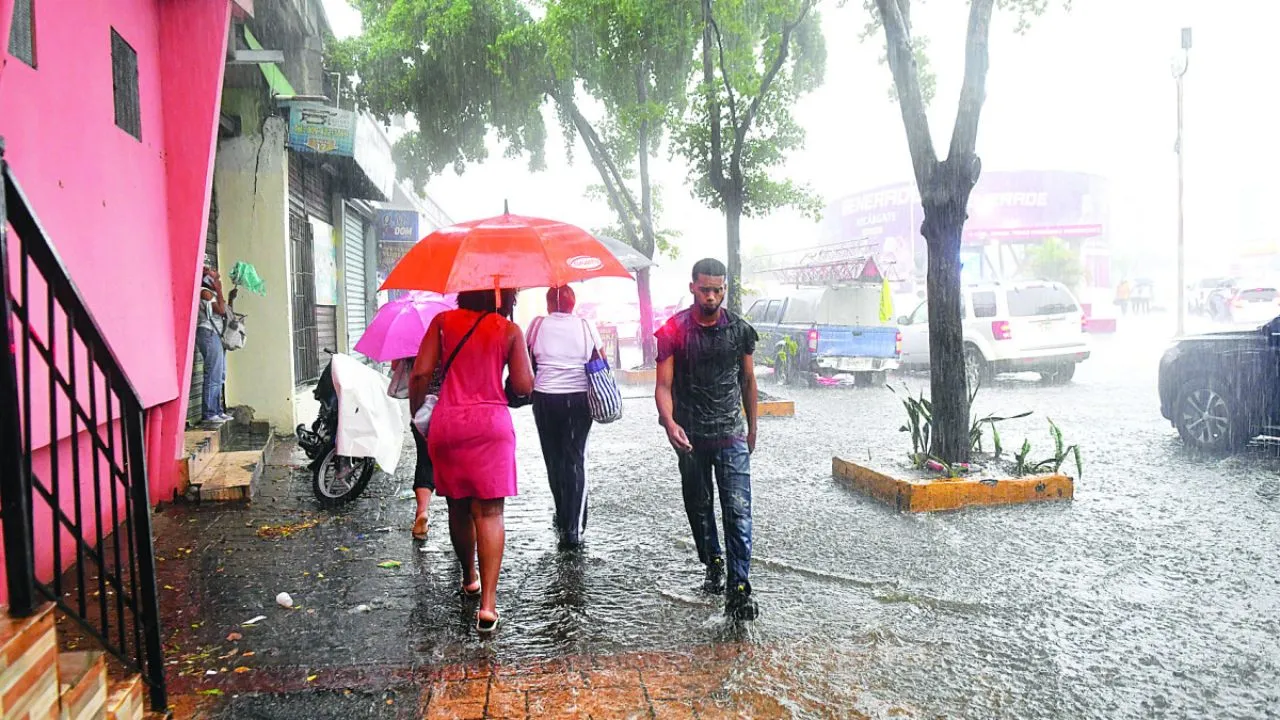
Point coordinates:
pixel 1153 594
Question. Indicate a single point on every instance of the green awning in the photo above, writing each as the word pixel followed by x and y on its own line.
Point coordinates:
pixel 276 80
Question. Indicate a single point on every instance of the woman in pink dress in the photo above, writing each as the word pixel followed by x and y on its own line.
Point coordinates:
pixel 471 439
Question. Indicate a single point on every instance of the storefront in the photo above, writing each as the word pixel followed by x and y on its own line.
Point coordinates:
pixel 334 155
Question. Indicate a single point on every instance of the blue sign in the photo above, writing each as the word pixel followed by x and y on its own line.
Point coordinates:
pixel 397 226
pixel 318 128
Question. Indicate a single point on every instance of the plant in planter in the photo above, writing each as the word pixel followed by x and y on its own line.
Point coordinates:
pixel 1022 465
pixel 920 426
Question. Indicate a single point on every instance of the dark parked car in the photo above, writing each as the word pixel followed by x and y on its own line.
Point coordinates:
pixel 1222 390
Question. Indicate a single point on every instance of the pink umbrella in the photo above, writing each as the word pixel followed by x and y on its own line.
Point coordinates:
pixel 399 326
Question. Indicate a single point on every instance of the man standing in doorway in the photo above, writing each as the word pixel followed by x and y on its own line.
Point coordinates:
pixel 706 377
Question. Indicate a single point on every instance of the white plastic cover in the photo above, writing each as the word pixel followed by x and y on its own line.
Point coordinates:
pixel 370 424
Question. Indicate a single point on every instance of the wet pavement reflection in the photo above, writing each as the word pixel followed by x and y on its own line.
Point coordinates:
pixel 1156 593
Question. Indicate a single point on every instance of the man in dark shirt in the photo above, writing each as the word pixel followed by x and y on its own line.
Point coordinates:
pixel 706 378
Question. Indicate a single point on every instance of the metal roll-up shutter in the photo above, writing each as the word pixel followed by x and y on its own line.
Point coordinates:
pixel 317 191
pixel 353 277
pixel 326 330
pixel 195 392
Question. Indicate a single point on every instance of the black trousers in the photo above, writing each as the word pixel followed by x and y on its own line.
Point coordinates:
pixel 423 476
pixel 564 421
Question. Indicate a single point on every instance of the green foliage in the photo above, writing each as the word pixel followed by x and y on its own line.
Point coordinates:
pixel 790 348
pixel 1055 260
pixel 752 106
pixel 920 426
pixel 460 67
pixel 1061 453
pixel 667 240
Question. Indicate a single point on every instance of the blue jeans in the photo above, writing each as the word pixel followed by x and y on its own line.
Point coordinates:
pixel 731 467
pixel 209 343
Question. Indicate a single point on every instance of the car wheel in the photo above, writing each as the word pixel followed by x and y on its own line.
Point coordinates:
pixel 1060 375
pixel 783 372
pixel 977 372
pixel 1209 417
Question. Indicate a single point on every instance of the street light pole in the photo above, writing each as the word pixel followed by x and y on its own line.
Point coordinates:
pixel 1180 62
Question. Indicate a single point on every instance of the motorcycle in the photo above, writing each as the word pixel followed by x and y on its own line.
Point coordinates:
pixel 357 430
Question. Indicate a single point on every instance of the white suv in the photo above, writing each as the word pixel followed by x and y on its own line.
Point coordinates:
pixel 1009 327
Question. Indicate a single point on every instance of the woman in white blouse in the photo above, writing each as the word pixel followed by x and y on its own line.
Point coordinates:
pixel 560 344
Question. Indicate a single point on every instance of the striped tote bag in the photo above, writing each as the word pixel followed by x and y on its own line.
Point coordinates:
pixel 602 389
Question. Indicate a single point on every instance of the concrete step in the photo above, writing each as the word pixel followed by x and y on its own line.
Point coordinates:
pixel 28 665
pixel 233 473
pixel 127 699
pixel 82 682
pixel 200 446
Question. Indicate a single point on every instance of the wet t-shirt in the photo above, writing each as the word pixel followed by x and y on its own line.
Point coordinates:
pixel 707 380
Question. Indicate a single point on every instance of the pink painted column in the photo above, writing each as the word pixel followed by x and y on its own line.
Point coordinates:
pixel 193 46
pixel 6 18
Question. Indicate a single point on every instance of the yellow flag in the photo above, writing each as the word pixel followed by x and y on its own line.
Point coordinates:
pixel 886 302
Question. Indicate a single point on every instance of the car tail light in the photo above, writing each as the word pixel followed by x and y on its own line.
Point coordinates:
pixel 897 344
pixel 1000 330
pixel 813 341
pixel 1084 323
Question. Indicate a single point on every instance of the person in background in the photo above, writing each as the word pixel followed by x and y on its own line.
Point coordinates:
pixel 1123 294
pixel 424 486
pixel 471 439
pixel 560 344
pixel 209 322
pixel 706 378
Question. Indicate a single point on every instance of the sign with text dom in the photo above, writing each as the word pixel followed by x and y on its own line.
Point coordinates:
pixel 318 128
pixel 397 226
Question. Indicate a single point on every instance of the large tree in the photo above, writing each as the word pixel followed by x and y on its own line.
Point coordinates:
pixel 758 58
pixel 635 58
pixel 944 186
pixel 465 68
pixel 440 61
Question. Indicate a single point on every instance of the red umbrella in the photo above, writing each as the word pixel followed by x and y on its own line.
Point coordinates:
pixel 507 251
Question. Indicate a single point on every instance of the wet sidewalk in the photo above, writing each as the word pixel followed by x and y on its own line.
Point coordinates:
pixel 704 683
pixel 378 629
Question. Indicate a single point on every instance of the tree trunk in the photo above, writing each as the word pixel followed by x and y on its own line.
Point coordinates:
pixel 647 341
pixel 733 233
pixel 944 216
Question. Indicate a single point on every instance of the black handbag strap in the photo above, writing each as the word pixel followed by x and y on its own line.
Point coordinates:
pixel 445 369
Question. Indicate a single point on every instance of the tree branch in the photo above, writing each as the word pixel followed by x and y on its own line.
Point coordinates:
pixel 964 137
pixel 619 196
pixel 724 74
pixel 646 193
pixel 770 75
pixel 715 164
pixel 906 79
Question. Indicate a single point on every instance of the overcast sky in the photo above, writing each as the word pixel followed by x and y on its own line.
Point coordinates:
pixel 1088 90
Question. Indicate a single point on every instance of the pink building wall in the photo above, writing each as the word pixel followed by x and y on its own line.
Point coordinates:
pixel 128 217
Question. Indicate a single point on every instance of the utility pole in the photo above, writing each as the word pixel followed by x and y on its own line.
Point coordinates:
pixel 1180 62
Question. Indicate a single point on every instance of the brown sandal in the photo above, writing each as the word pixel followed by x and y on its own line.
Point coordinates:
pixel 420 528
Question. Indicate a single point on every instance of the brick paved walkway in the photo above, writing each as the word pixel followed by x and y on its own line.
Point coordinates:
pixel 704 683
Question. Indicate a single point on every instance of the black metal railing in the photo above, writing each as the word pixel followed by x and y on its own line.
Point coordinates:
pixel 77 493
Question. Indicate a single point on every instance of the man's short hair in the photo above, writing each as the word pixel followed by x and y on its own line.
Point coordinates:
pixel 562 299
pixel 710 267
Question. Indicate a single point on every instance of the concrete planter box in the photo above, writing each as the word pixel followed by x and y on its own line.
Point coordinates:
pixel 951 494
pixel 770 406
pixel 637 377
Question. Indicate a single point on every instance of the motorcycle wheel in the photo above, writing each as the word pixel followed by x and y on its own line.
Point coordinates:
pixel 334 484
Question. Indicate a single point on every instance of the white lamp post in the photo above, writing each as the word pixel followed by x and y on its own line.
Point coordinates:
pixel 1180 62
